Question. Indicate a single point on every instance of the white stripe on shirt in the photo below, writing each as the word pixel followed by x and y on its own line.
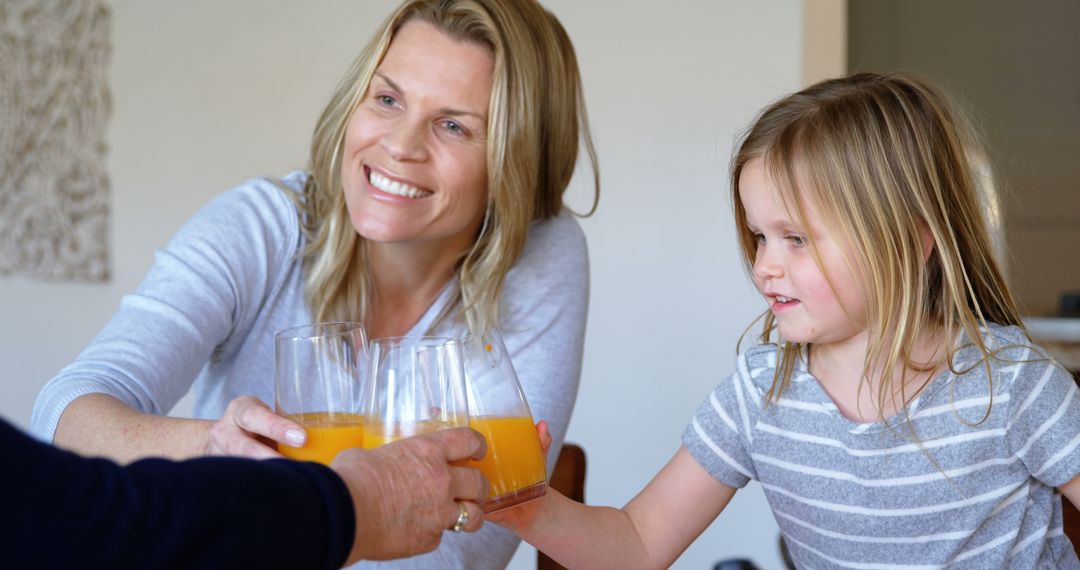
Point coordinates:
pixel 724 417
pixel 803 469
pixel 719 452
pixel 906 448
pixel 1046 425
pixel 805 406
pixel 1065 452
pixel 1034 395
pixel 914 511
pixel 919 539
pixel 862 565
pixel 741 399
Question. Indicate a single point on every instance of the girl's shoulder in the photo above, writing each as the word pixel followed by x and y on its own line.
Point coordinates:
pixel 1006 337
pixel 745 388
pixel 760 356
pixel 1006 344
pixel 1016 362
pixel 757 365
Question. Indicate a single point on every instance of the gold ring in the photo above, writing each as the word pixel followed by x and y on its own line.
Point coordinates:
pixel 462 518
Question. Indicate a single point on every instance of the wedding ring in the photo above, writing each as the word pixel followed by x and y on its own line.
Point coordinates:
pixel 462 518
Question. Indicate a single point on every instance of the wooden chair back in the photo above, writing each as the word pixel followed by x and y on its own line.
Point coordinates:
pixel 1072 523
pixel 1070 515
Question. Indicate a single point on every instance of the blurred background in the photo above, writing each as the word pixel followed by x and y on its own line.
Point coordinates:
pixel 206 94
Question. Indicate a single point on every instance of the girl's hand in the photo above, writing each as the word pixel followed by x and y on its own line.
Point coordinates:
pixel 523 515
pixel 248 428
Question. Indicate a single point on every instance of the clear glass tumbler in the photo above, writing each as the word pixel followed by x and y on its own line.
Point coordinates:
pixel 319 379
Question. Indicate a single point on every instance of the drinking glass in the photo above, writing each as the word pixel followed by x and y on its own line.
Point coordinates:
pixel 417 386
pixel 514 464
pixel 319 378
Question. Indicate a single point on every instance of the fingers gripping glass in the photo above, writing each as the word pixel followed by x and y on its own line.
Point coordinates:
pixel 319 379
pixel 514 464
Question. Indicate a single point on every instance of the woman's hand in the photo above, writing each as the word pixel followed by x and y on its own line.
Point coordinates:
pixel 523 515
pixel 247 429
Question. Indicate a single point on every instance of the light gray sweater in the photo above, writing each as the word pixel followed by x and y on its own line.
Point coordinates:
pixel 207 311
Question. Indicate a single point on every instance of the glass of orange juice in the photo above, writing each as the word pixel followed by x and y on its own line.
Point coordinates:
pixel 514 464
pixel 417 386
pixel 319 379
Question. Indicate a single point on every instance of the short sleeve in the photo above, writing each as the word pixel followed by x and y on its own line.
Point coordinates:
pixel 720 435
pixel 1044 421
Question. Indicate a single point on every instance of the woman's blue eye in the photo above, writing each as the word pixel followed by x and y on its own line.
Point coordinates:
pixel 797 240
pixel 454 128
pixel 386 100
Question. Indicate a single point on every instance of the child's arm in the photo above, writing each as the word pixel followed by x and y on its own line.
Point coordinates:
pixel 651 531
pixel 1071 490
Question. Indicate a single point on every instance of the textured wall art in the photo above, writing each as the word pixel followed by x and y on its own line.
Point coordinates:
pixel 54 105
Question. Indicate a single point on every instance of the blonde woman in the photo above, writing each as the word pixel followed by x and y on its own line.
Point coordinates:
pixel 433 205
pixel 895 412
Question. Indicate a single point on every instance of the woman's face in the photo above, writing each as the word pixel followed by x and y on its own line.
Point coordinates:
pixel 414 169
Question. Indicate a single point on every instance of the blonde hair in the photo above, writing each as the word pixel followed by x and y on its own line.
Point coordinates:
pixel 536 118
pixel 886 159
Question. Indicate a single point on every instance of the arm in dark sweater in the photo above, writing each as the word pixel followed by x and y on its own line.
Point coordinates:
pixel 63 510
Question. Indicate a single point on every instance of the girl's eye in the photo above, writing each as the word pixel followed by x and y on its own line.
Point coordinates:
pixel 797 240
pixel 760 238
pixel 386 101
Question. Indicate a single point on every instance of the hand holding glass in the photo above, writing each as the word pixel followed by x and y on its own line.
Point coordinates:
pixel 417 386
pixel 514 464
pixel 319 383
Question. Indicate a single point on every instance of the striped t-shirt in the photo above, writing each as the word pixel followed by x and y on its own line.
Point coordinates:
pixel 969 494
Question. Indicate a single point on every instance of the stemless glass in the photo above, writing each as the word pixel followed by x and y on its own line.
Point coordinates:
pixel 417 386
pixel 319 379
pixel 514 463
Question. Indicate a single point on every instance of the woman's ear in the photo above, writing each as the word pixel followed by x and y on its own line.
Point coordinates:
pixel 927 238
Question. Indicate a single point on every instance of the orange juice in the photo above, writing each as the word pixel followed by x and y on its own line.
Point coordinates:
pixel 513 464
pixel 379 434
pixel 328 433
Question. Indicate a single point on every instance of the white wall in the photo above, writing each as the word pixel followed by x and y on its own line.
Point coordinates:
pixel 208 93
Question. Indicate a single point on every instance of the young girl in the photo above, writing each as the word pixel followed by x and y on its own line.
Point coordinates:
pixel 901 417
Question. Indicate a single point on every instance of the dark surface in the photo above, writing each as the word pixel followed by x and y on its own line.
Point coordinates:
pixel 63 510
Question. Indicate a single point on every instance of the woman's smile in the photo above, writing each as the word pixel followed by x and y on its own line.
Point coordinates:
pixel 385 184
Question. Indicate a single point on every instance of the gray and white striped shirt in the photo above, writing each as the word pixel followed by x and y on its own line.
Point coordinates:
pixel 965 494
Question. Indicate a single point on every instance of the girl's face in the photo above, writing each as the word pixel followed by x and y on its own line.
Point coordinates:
pixel 414 168
pixel 807 308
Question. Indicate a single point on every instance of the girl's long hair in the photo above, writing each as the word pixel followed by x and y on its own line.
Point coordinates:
pixel 887 159
pixel 536 119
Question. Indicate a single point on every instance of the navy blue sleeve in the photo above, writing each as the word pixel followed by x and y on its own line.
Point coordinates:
pixel 63 510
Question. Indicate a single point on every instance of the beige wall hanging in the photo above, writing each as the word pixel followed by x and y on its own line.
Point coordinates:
pixel 54 105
